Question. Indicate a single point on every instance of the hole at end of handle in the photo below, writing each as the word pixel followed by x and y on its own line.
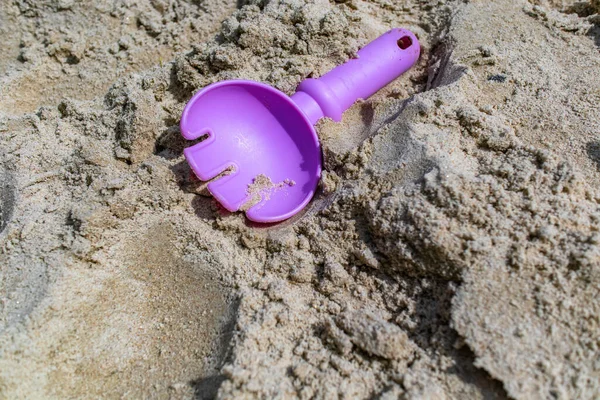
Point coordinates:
pixel 405 42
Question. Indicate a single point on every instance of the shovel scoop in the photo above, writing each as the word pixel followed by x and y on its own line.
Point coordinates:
pixel 261 145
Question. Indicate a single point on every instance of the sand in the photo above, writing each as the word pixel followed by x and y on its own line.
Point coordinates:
pixel 453 249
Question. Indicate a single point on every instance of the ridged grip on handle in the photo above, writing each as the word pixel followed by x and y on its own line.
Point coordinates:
pixel 377 64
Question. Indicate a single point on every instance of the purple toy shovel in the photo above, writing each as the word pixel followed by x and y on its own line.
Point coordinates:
pixel 266 140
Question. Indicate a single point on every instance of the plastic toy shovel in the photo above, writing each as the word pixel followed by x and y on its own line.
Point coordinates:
pixel 262 145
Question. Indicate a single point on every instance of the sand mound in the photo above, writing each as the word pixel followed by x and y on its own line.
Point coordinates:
pixel 453 250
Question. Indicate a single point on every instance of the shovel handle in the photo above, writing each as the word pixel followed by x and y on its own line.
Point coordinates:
pixel 377 64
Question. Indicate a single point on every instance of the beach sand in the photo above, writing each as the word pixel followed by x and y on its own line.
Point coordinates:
pixel 452 250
